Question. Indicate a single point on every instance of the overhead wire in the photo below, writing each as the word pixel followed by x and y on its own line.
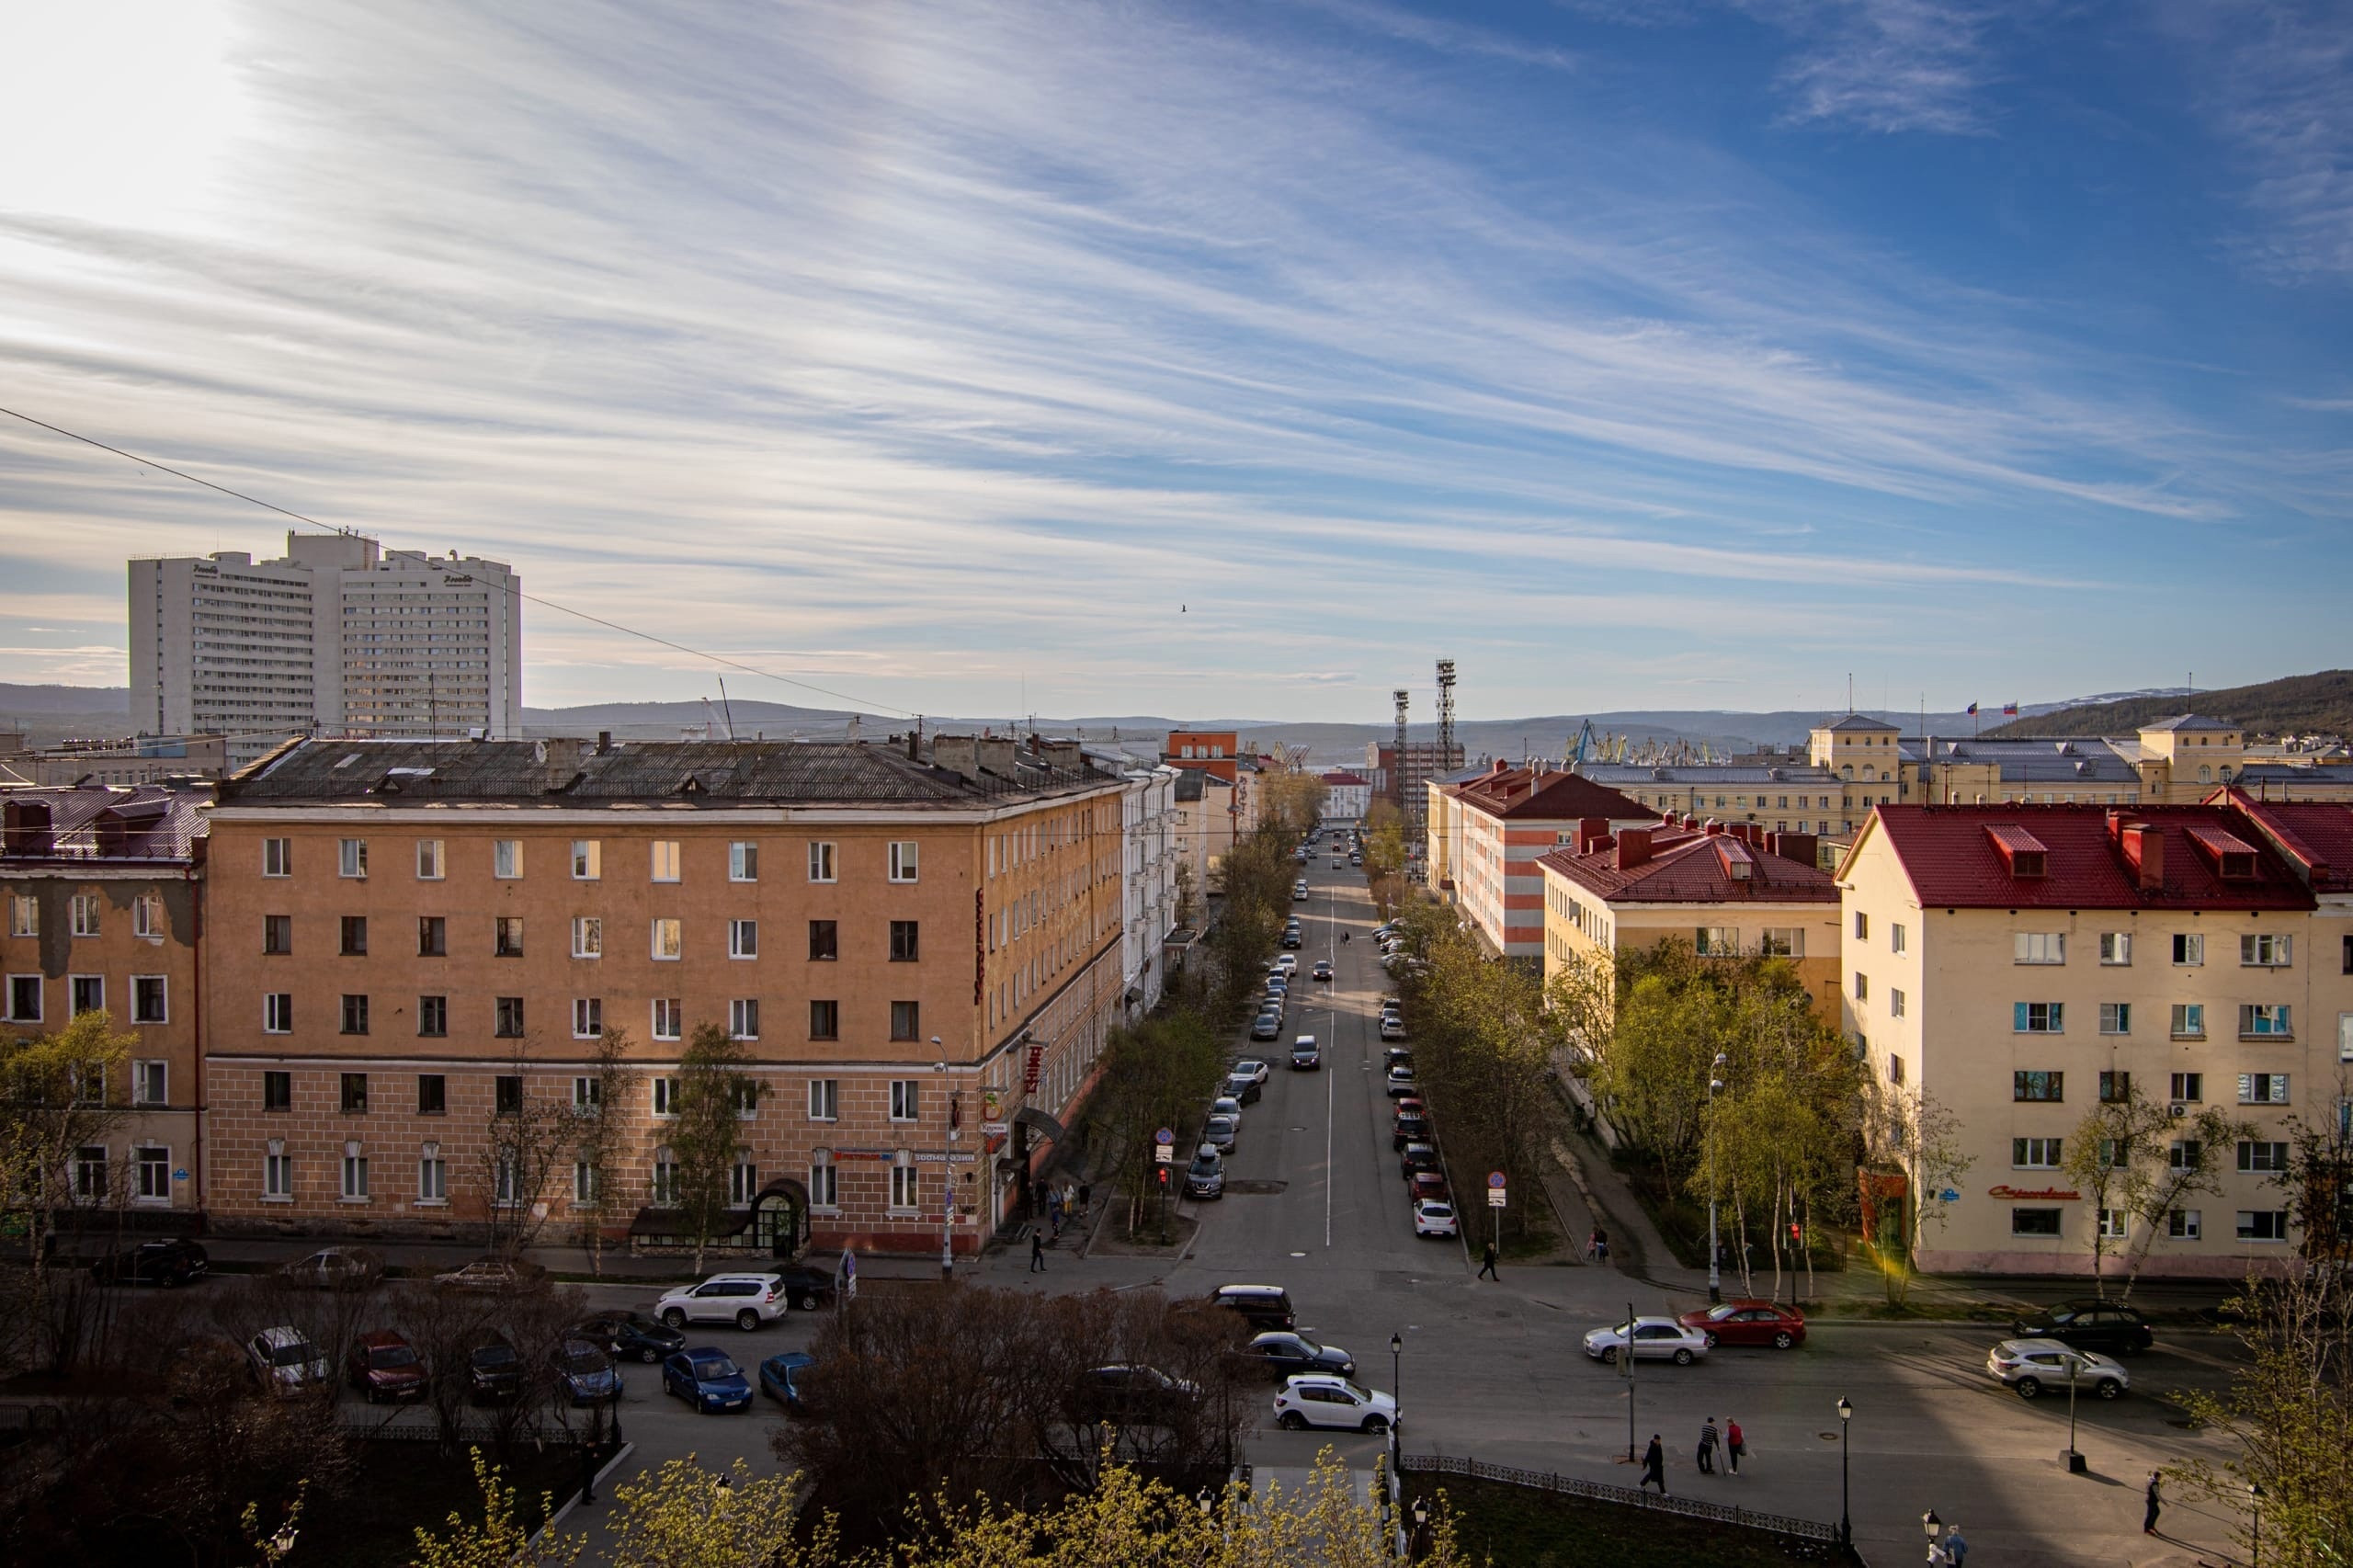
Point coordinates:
pixel 544 603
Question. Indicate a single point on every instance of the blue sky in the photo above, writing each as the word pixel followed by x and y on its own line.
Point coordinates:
pixel 1233 358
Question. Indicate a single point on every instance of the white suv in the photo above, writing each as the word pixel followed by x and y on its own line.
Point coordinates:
pixel 1315 1400
pixel 285 1362
pixel 747 1301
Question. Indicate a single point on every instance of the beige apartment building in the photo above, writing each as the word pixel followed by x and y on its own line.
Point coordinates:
pixel 103 894
pixel 1730 891
pixel 919 947
pixel 2021 962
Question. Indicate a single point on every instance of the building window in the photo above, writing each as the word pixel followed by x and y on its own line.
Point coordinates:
pixel 2185 1088
pixel 355 1094
pixel 2263 1089
pixel 91 1184
pixel 743 1018
pixel 905 1099
pixel 588 936
pixel 906 1020
pixel 506 1095
pixel 277 856
pixel 278 1172
pixel 355 1014
pixel 825 1187
pixel 1717 942
pixel 665 1177
pixel 24 915
pixel 1862 927
pixel 2257 1154
pixel 825 1099
pixel 670 1015
pixel 278 1012
pixel 277 934
pixel 584 1182
pixel 2265 1021
pixel 2116 946
pixel 432 937
pixel 432 1017
pixel 1782 942
pixel 432 1095
pixel 902 861
pixel 2038 1018
pixel 666 859
pixel 150 999
pixel 2185 1225
pixel 507 941
pixel 428 859
pixel 821 861
pixel 2039 947
pixel 825 1020
pixel 277 1091
pixel 2190 1021
pixel 902 941
pixel 2345 1037
pixel 506 858
pixel 2114 1088
pixel 1894 1001
pixel 147 916
pixel 2116 1017
pixel 669 941
pixel 742 861
pixel 1894 1068
pixel 2266 950
pixel 2188 947
pixel 666 1097
pixel 509 1018
pixel 2115 1224
pixel 742 1180
pixel 432 1176
pixel 823 944
pixel 902 1181
pixel 353 941
pixel 1862 987
pixel 24 998
pixel 587 1018
pixel 2035 1154
pixel 351 857
pixel 2263 1224
pixel 587 1094
pixel 2037 1085
pixel 2185 1154
pixel 150 1173
pixel 505 1183
pixel 149 1083
pixel 88 992
pixel 587 860
pixel 87 907
pixel 2034 1221
pixel 355 1173
pixel 1896 937
pixel 742 939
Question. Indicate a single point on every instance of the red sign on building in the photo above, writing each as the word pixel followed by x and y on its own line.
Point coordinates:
pixel 1034 1071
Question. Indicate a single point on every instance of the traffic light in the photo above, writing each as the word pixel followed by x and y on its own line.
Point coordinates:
pixel 1163 1178
pixel 1797 1235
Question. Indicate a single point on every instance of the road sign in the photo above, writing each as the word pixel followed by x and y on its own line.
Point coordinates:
pixel 1495 1198
pixel 1495 1179
pixel 1165 1155
pixel 180 1174
pixel 1164 1137
pixel 1949 1196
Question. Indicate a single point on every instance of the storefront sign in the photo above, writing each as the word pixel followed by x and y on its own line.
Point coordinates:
pixel 2034 1195
pixel 1033 1072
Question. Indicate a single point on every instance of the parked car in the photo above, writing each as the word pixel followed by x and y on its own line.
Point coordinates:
pixel 169 1263
pixel 1269 1026
pixel 1409 1104
pixel 1263 1306
pixel 1417 1156
pixel 1653 1339
pixel 1226 1105
pixel 1427 1184
pixel 1124 1394
pixel 1400 1083
pixel 1410 1126
pixel 494 1372
pixel 1285 965
pixel 780 1378
pixel 1285 1354
pixel 1250 1067
pixel 1391 1027
pixel 1748 1323
pixel 1316 1400
pixel 585 1374
pixel 2104 1326
pixel 1291 938
pixel 630 1336
pixel 336 1268
pixel 1241 1091
pixel 1205 1177
pixel 384 1366
pixel 1220 1131
pixel 493 1273
pixel 1435 1217
pixel 1299 891
pixel 1396 1056
pixel 708 1378
pixel 1305 1055
pixel 285 1362
pixel 2032 1365
pixel 746 1299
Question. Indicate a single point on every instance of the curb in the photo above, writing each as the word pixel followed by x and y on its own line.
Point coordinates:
pixel 573 1501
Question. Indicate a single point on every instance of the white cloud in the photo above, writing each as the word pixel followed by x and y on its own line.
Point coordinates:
pixel 1887 65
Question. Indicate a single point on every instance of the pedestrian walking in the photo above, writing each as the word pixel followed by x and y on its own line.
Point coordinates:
pixel 1601 1246
pixel 1487 1265
pixel 1709 1439
pixel 1593 1244
pixel 1086 1197
pixel 1037 1253
pixel 1956 1548
pixel 1654 1466
pixel 1735 1443
pixel 2149 1520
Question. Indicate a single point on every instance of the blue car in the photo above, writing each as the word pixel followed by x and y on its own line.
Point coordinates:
pixel 780 1377
pixel 584 1373
pixel 708 1378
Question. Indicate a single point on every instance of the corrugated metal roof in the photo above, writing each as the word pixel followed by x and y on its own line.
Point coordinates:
pixel 98 821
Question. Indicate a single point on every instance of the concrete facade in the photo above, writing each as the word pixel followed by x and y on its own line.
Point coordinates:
pixel 1148 824
pixel 1496 826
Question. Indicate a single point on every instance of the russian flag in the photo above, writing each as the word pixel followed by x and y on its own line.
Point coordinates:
pixel 1972 711
pixel 2009 709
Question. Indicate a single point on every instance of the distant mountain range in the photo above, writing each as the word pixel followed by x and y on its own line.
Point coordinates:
pixel 2293 705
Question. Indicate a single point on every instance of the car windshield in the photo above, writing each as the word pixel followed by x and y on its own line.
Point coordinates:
pixel 293 1355
pixel 580 1362
pixel 1718 1314
pixel 495 1356
pixel 393 1355
pixel 715 1369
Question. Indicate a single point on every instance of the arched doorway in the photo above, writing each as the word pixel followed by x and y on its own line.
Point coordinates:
pixel 781 1219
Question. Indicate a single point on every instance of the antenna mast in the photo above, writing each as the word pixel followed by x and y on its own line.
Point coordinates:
pixel 1402 696
pixel 1445 716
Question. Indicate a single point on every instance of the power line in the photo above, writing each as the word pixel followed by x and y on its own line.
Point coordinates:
pixel 533 599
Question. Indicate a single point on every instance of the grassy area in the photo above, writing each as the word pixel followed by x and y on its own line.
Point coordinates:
pixel 1516 1527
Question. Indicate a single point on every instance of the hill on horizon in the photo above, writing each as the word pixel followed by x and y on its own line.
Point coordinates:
pixel 2290 705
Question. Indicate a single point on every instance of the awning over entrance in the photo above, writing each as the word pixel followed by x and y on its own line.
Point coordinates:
pixel 1031 1116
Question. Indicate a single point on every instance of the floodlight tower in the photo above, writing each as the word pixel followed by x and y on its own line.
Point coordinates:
pixel 1402 696
pixel 1445 716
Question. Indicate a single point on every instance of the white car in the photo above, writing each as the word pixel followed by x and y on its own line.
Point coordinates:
pixel 1250 1067
pixel 2030 1366
pixel 1655 1339
pixel 1433 1217
pixel 1391 1027
pixel 1315 1400
pixel 1285 964
pixel 747 1301
pixel 1299 890
pixel 285 1362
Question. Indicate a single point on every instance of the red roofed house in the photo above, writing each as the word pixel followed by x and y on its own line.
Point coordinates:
pixel 1728 889
pixel 1347 796
pixel 1505 819
pixel 2021 964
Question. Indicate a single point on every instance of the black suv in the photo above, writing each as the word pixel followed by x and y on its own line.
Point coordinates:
pixel 493 1374
pixel 630 1336
pixel 166 1263
pixel 2103 1326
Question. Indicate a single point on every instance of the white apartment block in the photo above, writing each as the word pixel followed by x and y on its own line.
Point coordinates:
pixel 337 637
pixel 1149 817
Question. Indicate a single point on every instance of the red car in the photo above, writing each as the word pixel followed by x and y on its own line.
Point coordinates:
pixel 1749 1322
pixel 384 1366
pixel 1428 1183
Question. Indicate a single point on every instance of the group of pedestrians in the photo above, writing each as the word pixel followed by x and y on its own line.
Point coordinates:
pixel 1729 1438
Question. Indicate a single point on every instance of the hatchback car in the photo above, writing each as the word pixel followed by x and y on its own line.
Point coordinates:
pixel 384 1366
pixel 1748 1323
pixel 1220 1131
pixel 781 1377
pixel 1391 1027
pixel 1434 1217
pixel 1427 1184
pixel 630 1336
pixel 1316 1400
pixel 1305 1055
pixel 708 1378
pixel 166 1263
pixel 285 1362
pixel 1411 1126
pixel 747 1301
pixel 1205 1177
pixel 1417 1156
pixel 2104 1326
pixel 1267 1025
pixel 584 1373
pixel 1400 1083
pixel 336 1268
pixel 1323 969
pixel 1653 1339
pixel 1264 1307
pixel 1226 1105
pixel 2032 1365
pixel 1286 1355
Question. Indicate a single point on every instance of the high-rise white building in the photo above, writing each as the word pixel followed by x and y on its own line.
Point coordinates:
pixel 338 637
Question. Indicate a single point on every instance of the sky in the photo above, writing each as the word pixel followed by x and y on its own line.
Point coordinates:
pixel 1231 359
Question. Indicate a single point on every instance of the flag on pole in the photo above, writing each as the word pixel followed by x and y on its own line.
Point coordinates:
pixel 1972 711
pixel 2009 709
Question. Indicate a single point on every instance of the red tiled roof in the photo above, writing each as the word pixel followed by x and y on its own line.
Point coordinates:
pixel 1949 854
pixel 1520 794
pixel 1342 778
pixel 2316 836
pixel 1687 866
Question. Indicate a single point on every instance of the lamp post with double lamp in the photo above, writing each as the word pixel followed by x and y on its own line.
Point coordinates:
pixel 1931 1524
pixel 1845 1522
pixel 1715 1279
pixel 946 1174
pixel 1421 1522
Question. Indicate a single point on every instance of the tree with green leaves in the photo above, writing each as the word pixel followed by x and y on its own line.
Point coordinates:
pixel 715 1092
pixel 1158 1073
pixel 58 1095
pixel 2134 1161
pixel 1912 1131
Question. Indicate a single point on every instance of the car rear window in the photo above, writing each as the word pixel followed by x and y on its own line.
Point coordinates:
pixel 393 1355
pixel 715 1369
pixel 292 1355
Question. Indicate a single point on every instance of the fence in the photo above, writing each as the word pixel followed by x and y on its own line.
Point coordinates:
pixel 1625 1496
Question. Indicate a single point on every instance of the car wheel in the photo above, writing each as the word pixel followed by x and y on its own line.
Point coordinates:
pixel 1783 1339
pixel 1609 1355
pixel 675 1318
pixel 1291 1421
pixel 747 1320
pixel 648 1355
pixel 1683 1357
pixel 1710 1338
pixel 2029 1388
pixel 1376 1423
pixel 2109 1387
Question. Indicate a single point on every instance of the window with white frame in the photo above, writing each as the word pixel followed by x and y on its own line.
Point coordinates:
pixel 2185 1154
pixel 1894 1001
pixel 91 1182
pixel 147 917
pixel 2258 1154
pixel 1862 987
pixel 2115 1224
pixel 587 1018
pixel 666 1097
pixel 1896 937
pixel 2036 1154
pixel 277 856
pixel 587 860
pixel 278 1012
pixel 2188 949
pixel 2116 1017
pixel 149 1083
pixel 276 1173
pixel 742 939
pixel 2259 1020
pixel 2345 1037
pixel 669 1017
pixel 432 1176
pixel 150 999
pixel 904 1098
pixel 743 862
pixel 2187 1088
pixel 506 1179
pixel 86 908
pixel 743 1018
pixel 2266 949
pixel 821 861
pixel 2263 1089
pixel 902 1181
pixel 87 992
pixel 824 1184
pixel 24 998
pixel 587 1094
pixel 666 859
pixel 902 861
pixel 1862 927
pixel 351 857
pixel 2038 1018
pixel 2190 1021
pixel 588 936
pixel 665 1177
pixel 24 915
pixel 355 1173
pixel 2116 948
pixel 2039 947
pixel 825 1099
pixel 2185 1225
pixel 429 861
pixel 1894 1068
pixel 150 1173
pixel 1716 942
pixel 742 1180
pixel 1782 942
pixel 584 1182
pixel 669 940
pixel 2263 1224
pixel 506 858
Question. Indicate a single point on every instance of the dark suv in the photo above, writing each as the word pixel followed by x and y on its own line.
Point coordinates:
pixel 632 1336
pixel 2086 1324
pixel 165 1262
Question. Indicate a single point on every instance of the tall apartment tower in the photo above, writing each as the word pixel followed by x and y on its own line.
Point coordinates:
pixel 338 637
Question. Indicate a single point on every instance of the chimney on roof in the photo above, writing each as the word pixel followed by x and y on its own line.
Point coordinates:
pixel 1713 829
pixel 1590 832
pixel 1686 821
pixel 1066 756
pixel 2145 852
pixel 25 828
pixel 997 756
pixel 1633 847
pixel 958 754
pixel 1802 848
pixel 1500 766
pixel 604 743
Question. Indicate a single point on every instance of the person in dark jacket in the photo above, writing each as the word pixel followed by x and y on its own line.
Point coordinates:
pixel 1709 1439
pixel 2156 1501
pixel 1037 1253
pixel 1487 1265
pixel 1655 1465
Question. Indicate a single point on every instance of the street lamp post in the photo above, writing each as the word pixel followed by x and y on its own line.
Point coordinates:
pixel 2075 1460
pixel 946 1174
pixel 1845 1522
pixel 1421 1523
pixel 1715 1279
pixel 1931 1524
pixel 2255 1501
pixel 1397 1371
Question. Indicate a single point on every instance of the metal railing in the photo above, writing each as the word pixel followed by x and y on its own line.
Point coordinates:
pixel 1626 1496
